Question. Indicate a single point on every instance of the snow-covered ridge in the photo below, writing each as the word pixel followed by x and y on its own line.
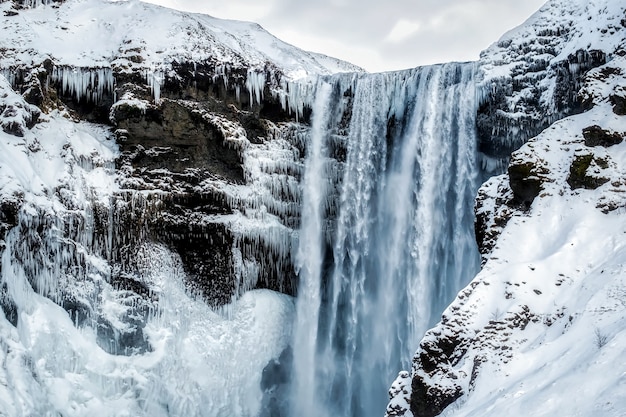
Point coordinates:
pixel 102 33
pixel 89 48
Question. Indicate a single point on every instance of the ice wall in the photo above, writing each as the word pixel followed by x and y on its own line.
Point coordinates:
pixel 96 318
pixel 376 271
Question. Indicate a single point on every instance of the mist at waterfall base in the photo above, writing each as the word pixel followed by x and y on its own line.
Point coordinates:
pixel 387 230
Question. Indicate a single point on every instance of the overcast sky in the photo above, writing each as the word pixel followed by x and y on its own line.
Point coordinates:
pixel 378 35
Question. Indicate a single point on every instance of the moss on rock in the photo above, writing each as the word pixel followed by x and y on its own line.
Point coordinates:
pixel 579 177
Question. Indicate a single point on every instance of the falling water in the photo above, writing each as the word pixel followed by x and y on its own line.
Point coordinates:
pixel 309 255
pixel 401 244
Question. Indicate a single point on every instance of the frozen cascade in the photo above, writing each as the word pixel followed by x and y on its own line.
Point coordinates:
pixel 87 84
pixel 36 3
pixel 255 82
pixel 401 244
pixel 75 339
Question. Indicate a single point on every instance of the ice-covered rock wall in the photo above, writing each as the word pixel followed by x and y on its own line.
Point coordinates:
pixel 105 286
pixel 532 75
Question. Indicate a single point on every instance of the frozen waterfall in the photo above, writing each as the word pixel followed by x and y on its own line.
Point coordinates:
pixel 385 245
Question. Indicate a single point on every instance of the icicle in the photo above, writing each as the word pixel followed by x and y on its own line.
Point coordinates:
pixel 31 4
pixel 154 78
pixel 84 84
pixel 255 84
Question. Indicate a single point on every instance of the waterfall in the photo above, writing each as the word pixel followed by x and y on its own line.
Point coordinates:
pixel 309 256
pixel 378 272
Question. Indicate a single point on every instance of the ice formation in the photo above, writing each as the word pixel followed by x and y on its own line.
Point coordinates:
pixel 255 83
pixel 87 84
pixel 65 318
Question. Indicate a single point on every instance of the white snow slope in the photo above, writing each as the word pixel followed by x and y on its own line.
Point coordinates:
pixel 562 267
pixel 95 33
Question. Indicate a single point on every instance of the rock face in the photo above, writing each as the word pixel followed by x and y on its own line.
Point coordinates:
pixel 532 76
pixel 538 254
pixel 182 173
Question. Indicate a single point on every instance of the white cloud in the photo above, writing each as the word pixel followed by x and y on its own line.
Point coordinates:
pixel 403 29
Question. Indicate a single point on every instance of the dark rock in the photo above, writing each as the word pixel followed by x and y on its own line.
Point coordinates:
pixel 191 140
pixel 578 176
pixel 131 341
pixel 7 304
pixel 596 136
pixel 430 400
pixel 434 356
pixel 206 252
pixel 524 182
pixel 9 209
pixel 619 105
pixel 275 381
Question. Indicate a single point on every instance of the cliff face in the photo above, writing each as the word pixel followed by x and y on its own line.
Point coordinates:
pixel 204 121
pixel 531 76
pixel 540 330
pixel 149 178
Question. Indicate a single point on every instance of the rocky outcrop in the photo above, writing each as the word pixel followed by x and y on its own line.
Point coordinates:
pixel 533 76
pixel 538 91
pixel 596 136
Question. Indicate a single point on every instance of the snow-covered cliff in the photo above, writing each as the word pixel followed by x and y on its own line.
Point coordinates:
pixel 541 330
pixel 197 102
pixel 532 75
pixel 148 197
